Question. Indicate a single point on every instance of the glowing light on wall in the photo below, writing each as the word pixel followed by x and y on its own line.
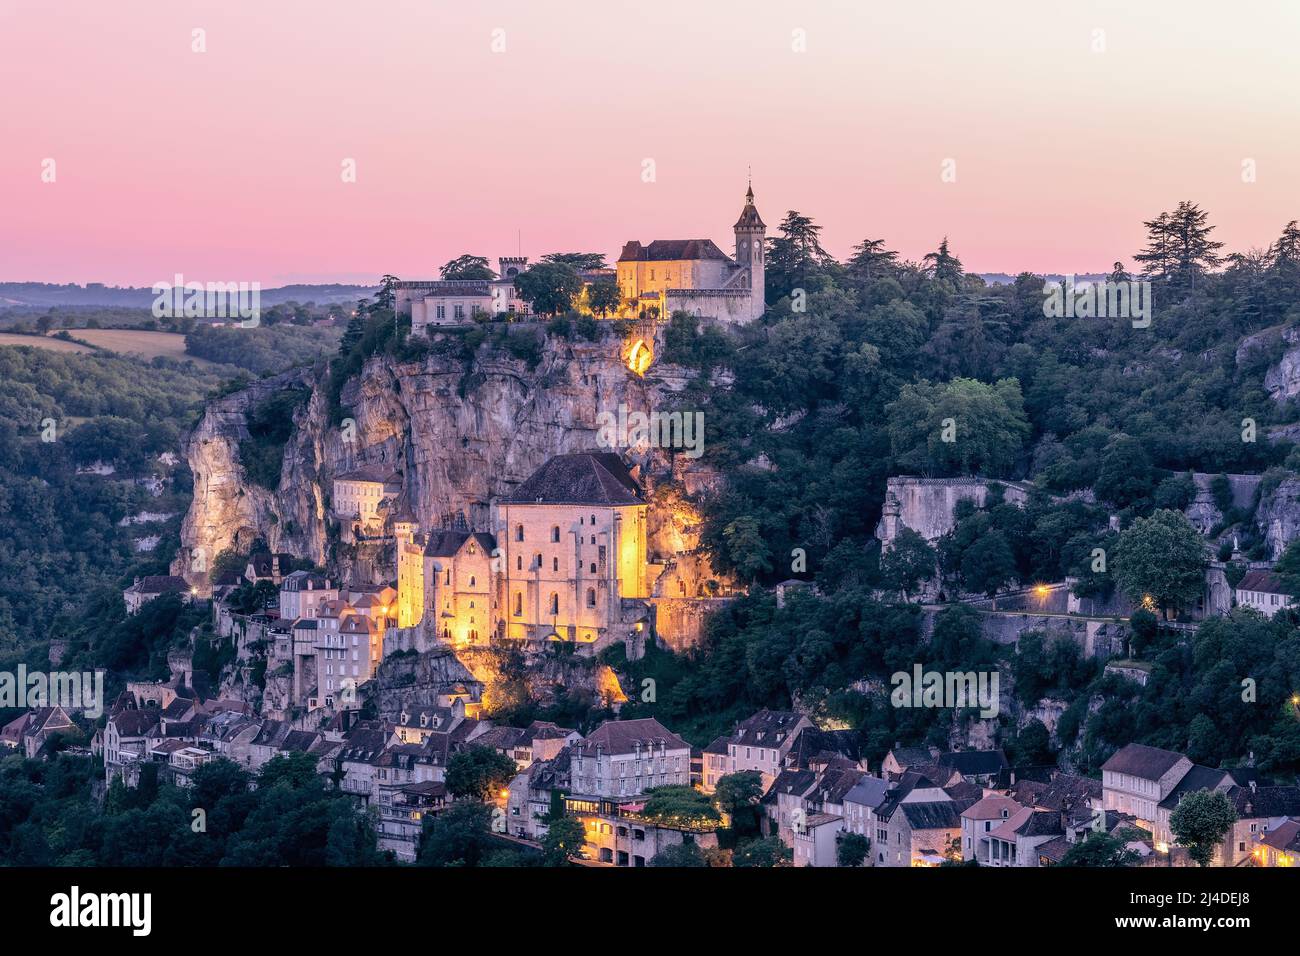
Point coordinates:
pixel 639 359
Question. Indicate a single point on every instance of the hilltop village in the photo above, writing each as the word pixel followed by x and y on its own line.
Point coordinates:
pixel 415 576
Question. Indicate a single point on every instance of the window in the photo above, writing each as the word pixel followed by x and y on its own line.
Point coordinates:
pixel 519 562
pixel 593 520
pixel 555 534
pixel 519 532
pixel 555 564
pixel 460 311
pixel 593 567
pixel 441 311
pixel 555 603
pixel 591 597
pixel 471 584
pixel 519 603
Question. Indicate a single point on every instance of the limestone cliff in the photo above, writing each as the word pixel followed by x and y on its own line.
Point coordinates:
pixel 457 431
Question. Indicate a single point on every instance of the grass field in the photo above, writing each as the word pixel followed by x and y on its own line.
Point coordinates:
pixel 54 345
pixel 139 342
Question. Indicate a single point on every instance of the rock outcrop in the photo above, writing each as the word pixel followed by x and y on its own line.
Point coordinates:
pixel 1278 515
pixel 457 432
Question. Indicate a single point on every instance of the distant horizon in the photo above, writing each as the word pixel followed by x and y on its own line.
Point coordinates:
pixel 217 141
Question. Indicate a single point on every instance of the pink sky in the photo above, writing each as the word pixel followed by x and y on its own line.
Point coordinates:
pixel 225 165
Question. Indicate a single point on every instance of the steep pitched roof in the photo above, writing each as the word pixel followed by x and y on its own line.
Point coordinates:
pixel 970 763
pixel 446 544
pixel 1265 582
pixel 623 736
pixel 1139 760
pixel 672 250
pixel 1198 778
pixel 585 478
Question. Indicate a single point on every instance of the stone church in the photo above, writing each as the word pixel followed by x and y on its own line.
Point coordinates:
pixel 695 276
pixel 566 561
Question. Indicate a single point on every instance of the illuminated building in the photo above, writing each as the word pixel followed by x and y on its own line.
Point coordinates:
pixel 695 276
pixel 572 550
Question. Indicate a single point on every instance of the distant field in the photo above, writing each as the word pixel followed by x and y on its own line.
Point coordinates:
pixel 136 341
pixel 54 345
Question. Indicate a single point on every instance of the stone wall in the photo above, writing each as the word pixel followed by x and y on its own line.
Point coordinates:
pixel 928 505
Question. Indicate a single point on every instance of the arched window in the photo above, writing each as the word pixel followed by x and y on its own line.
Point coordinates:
pixel 591 597
pixel 519 562
pixel 519 603
pixel 593 519
pixel 593 539
pixel 471 582
pixel 537 560
pixel 555 534
pixel 555 564
pixel 555 603
pixel 519 532
pixel 593 567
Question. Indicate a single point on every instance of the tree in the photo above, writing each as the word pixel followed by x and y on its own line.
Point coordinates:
pixel 579 261
pixel 851 849
pixel 909 561
pixel 678 805
pixel 467 267
pixel 549 287
pixel 943 265
pixel 1287 568
pixel 871 261
pixel 795 258
pixel 1099 850
pixel 1034 745
pixel 1126 475
pixel 679 855
pixel 603 296
pixel 737 795
pixel 959 427
pixel 479 773
pixel 1161 559
pixel 765 852
pixel 458 836
pixel 564 838
pixel 1201 821
pixel 746 548
pixel 1179 248
pixel 988 565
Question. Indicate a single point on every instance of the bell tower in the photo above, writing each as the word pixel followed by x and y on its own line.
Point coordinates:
pixel 750 247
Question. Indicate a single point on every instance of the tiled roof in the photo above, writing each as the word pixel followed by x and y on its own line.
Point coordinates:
pixel 970 763
pixel 767 728
pixel 1139 760
pixel 585 478
pixel 672 250
pixel 1285 836
pixel 445 544
pixel 623 736
pixel 160 584
pixel 1265 582
pixel 1266 801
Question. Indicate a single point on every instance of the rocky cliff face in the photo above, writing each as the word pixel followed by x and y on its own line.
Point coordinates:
pixel 459 433
pixel 1278 515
